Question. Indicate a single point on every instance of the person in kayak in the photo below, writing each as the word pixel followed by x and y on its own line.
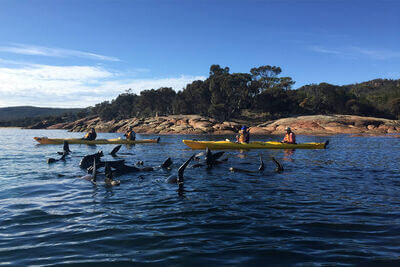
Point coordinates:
pixel 290 137
pixel 243 136
pixel 91 135
pixel 130 134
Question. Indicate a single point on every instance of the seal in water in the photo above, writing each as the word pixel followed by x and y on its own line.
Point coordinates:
pixel 260 169
pixel 52 160
pixel 65 148
pixel 88 159
pixel 109 176
pixel 179 178
pixel 91 177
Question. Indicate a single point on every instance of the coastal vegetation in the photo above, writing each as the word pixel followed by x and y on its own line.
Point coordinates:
pixel 261 94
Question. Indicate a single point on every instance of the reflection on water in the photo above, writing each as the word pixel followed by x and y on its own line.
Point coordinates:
pixel 288 154
pixel 333 206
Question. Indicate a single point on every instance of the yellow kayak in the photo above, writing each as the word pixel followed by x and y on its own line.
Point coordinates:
pixel 58 141
pixel 251 145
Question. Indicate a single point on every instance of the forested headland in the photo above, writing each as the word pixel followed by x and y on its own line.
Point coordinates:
pixel 262 94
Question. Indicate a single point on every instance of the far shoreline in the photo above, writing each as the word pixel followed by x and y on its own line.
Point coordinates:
pixel 11 127
pixel 315 125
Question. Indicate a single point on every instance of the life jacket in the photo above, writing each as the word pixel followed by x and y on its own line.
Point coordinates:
pixel 290 138
pixel 90 136
pixel 130 135
pixel 244 136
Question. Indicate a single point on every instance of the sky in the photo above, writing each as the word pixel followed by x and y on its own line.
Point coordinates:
pixel 76 53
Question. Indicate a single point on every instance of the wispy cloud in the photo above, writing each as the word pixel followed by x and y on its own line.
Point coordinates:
pixel 72 86
pixel 356 52
pixel 53 52
pixel 324 50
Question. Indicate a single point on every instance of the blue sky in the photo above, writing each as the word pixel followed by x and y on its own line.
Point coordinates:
pixel 67 53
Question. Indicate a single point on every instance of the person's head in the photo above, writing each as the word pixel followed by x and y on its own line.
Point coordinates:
pixel 92 130
pixel 287 129
pixel 244 128
pixel 130 128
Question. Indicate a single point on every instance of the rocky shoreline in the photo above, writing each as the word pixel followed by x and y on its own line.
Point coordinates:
pixel 195 124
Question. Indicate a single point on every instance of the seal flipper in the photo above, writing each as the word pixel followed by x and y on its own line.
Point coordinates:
pixel 107 170
pixel 261 168
pixel 66 147
pixel 182 168
pixel 279 167
pixel 63 156
pixel 94 172
pixel 166 163
pixel 115 150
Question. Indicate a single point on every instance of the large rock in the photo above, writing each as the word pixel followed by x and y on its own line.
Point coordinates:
pixel 259 130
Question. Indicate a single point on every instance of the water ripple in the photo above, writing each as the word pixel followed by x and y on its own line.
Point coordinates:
pixel 338 206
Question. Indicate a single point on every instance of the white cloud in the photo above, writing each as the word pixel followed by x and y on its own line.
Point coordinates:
pixel 357 52
pixel 53 52
pixel 72 86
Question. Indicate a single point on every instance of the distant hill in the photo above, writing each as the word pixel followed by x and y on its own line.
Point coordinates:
pixel 22 112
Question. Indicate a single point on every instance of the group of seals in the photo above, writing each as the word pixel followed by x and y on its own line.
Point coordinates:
pixel 115 167
pixel 211 159
pixel 278 169
pixel 93 162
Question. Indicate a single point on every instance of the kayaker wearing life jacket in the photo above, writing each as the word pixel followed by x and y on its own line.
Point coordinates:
pixel 91 135
pixel 130 134
pixel 243 136
pixel 290 137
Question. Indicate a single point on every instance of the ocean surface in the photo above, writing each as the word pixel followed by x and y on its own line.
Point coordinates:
pixel 335 206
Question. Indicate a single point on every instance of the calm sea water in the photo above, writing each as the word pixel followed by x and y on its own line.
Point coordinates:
pixel 339 205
